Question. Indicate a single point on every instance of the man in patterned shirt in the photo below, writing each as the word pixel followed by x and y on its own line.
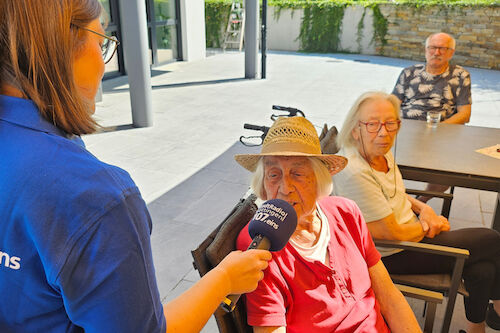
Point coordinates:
pixel 437 85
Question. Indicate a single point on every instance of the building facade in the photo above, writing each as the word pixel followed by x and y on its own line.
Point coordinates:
pixel 169 36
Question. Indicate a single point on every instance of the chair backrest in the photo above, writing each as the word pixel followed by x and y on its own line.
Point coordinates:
pixel 216 247
pixel 327 140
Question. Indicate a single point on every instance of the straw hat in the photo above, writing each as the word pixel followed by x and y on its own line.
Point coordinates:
pixel 292 136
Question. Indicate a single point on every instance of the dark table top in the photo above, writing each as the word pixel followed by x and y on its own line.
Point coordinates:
pixel 450 148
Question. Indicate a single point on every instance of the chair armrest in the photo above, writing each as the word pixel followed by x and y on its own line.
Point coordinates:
pixel 418 293
pixel 423 247
pixel 446 196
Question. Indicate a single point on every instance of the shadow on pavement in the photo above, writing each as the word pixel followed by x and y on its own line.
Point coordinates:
pixel 186 214
pixel 109 89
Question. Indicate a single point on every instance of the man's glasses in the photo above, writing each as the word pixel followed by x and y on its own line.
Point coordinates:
pixel 375 126
pixel 109 46
pixel 441 49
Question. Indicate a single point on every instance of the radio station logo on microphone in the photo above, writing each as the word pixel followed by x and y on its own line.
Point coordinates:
pixel 269 210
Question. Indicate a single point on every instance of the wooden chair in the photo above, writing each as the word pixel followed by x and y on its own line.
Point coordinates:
pixel 448 284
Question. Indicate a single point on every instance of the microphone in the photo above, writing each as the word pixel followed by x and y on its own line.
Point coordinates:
pixel 270 229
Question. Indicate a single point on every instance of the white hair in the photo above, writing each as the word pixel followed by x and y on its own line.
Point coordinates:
pixel 344 138
pixel 323 178
pixel 453 43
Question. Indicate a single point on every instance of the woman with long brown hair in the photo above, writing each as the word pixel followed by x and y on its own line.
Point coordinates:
pixel 75 251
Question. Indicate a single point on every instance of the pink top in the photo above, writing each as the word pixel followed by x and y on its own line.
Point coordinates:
pixel 307 296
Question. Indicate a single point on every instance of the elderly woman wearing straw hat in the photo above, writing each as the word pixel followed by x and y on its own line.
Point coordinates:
pixel 329 276
pixel 373 180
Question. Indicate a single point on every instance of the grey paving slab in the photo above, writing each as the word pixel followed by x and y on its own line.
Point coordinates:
pixel 465 206
pixel 487 219
pixel 184 164
pixel 487 201
pixel 193 188
pixel 213 206
pixel 233 171
pixel 171 253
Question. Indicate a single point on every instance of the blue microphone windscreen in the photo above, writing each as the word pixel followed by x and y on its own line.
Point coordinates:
pixel 276 220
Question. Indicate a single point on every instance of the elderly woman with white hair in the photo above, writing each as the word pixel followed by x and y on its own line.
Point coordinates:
pixel 329 276
pixel 372 179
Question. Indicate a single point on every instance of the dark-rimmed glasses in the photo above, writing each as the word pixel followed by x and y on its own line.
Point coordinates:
pixel 108 47
pixel 375 126
pixel 441 49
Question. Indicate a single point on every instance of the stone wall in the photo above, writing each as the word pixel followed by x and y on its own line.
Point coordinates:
pixel 476 30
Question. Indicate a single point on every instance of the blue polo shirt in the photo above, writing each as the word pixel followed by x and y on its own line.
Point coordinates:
pixel 75 251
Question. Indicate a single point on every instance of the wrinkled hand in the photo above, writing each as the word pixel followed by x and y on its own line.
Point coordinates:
pixel 244 270
pixel 446 224
pixel 425 226
pixel 435 223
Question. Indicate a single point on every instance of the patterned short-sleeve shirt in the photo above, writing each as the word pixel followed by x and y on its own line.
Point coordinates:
pixel 421 92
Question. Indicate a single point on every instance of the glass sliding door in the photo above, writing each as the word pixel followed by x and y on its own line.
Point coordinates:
pixel 166 39
pixel 111 22
pixel 163 30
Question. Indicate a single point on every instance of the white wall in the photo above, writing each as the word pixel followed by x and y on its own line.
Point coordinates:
pixel 283 30
pixel 349 32
pixel 193 29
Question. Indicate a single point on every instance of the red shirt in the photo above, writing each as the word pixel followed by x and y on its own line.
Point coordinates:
pixel 308 296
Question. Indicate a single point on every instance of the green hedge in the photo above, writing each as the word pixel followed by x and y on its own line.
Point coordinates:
pixel 320 27
pixel 216 16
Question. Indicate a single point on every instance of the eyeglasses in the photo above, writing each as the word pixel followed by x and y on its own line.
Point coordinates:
pixel 109 46
pixel 441 49
pixel 375 126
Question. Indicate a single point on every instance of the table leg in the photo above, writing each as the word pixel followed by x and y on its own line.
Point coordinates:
pixel 496 215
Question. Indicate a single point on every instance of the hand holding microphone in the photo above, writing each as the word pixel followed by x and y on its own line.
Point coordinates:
pixel 243 270
pixel 239 272
pixel 270 229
